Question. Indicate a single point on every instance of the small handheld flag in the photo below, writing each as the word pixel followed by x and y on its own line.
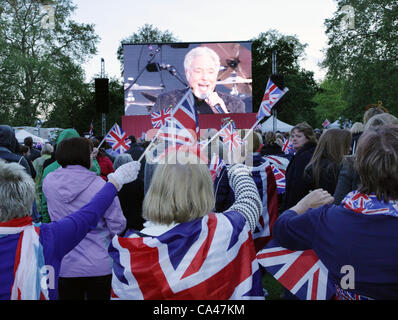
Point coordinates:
pixel 91 132
pixel 325 123
pixel 230 136
pixel 159 118
pixel 118 139
pixel 271 96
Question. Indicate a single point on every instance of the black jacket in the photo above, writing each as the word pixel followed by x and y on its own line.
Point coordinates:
pixel 348 180
pixel 272 149
pixel 131 197
pixel 136 151
pixel 328 176
pixel 296 187
pixel 8 147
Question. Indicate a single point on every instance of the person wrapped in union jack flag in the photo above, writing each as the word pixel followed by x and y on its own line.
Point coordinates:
pixel 31 254
pixel 186 251
pixel 263 176
pixel 202 66
pixel 360 234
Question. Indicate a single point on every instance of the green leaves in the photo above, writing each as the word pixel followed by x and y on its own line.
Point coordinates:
pixel 297 105
pixel 39 44
pixel 146 34
pixel 366 56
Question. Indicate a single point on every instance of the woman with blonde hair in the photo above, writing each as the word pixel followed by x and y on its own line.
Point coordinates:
pixel 185 250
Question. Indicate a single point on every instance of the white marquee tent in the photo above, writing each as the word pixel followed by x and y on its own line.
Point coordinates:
pixel 21 134
pixel 281 126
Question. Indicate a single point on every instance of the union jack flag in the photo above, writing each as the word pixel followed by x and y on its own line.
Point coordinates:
pixel 175 134
pixel 118 139
pixel 230 137
pixel 280 179
pixel 368 204
pixel 216 164
pixel 185 114
pixel 171 150
pixel 342 294
pixel 266 186
pixel 184 262
pixel 159 118
pixel 287 147
pixel 271 97
pixel 278 161
pixel 91 132
pixel 301 272
pixel 325 123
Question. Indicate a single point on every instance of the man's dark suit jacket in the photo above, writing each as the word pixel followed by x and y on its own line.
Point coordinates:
pixel 167 99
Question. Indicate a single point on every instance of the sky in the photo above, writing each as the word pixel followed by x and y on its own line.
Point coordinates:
pixel 204 21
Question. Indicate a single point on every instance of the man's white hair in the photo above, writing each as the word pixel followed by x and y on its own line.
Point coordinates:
pixel 201 51
pixel 17 192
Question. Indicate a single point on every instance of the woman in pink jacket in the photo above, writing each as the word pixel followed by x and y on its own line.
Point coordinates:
pixel 86 270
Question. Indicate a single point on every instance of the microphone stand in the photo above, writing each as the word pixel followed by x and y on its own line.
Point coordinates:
pixel 173 71
pixel 144 68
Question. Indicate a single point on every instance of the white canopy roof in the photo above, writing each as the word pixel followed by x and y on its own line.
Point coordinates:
pixel 281 126
pixel 21 134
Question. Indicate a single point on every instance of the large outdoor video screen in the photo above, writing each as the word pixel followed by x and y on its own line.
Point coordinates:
pixel 151 70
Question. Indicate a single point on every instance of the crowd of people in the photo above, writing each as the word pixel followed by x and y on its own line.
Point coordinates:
pixel 112 227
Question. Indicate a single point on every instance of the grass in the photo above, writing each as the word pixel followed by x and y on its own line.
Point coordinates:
pixel 274 288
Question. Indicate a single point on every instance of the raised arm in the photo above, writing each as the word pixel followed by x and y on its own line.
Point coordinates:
pixel 247 199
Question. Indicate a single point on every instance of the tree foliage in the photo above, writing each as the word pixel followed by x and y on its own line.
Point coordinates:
pixel 41 52
pixel 329 100
pixel 145 34
pixel 364 54
pixel 297 105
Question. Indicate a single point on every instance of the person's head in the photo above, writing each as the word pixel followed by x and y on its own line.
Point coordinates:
pixel 47 149
pixel 269 137
pixel 376 161
pixel 24 150
pixel 357 127
pixel 254 141
pixel 17 192
pixel 332 145
pixel 28 141
pixel 201 66
pixel 180 191
pixel 122 159
pixel 75 151
pixel 66 134
pixel 379 120
pixel 372 111
pixel 301 134
pixel 318 133
pixel 133 139
pixel 8 139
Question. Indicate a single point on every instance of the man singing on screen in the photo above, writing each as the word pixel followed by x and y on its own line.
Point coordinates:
pixel 201 66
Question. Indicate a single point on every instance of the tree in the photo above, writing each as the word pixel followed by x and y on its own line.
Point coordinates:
pixel 297 105
pixel 146 34
pixel 79 109
pixel 329 100
pixel 40 45
pixel 364 53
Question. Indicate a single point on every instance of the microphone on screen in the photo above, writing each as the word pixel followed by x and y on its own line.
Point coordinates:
pixel 217 106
